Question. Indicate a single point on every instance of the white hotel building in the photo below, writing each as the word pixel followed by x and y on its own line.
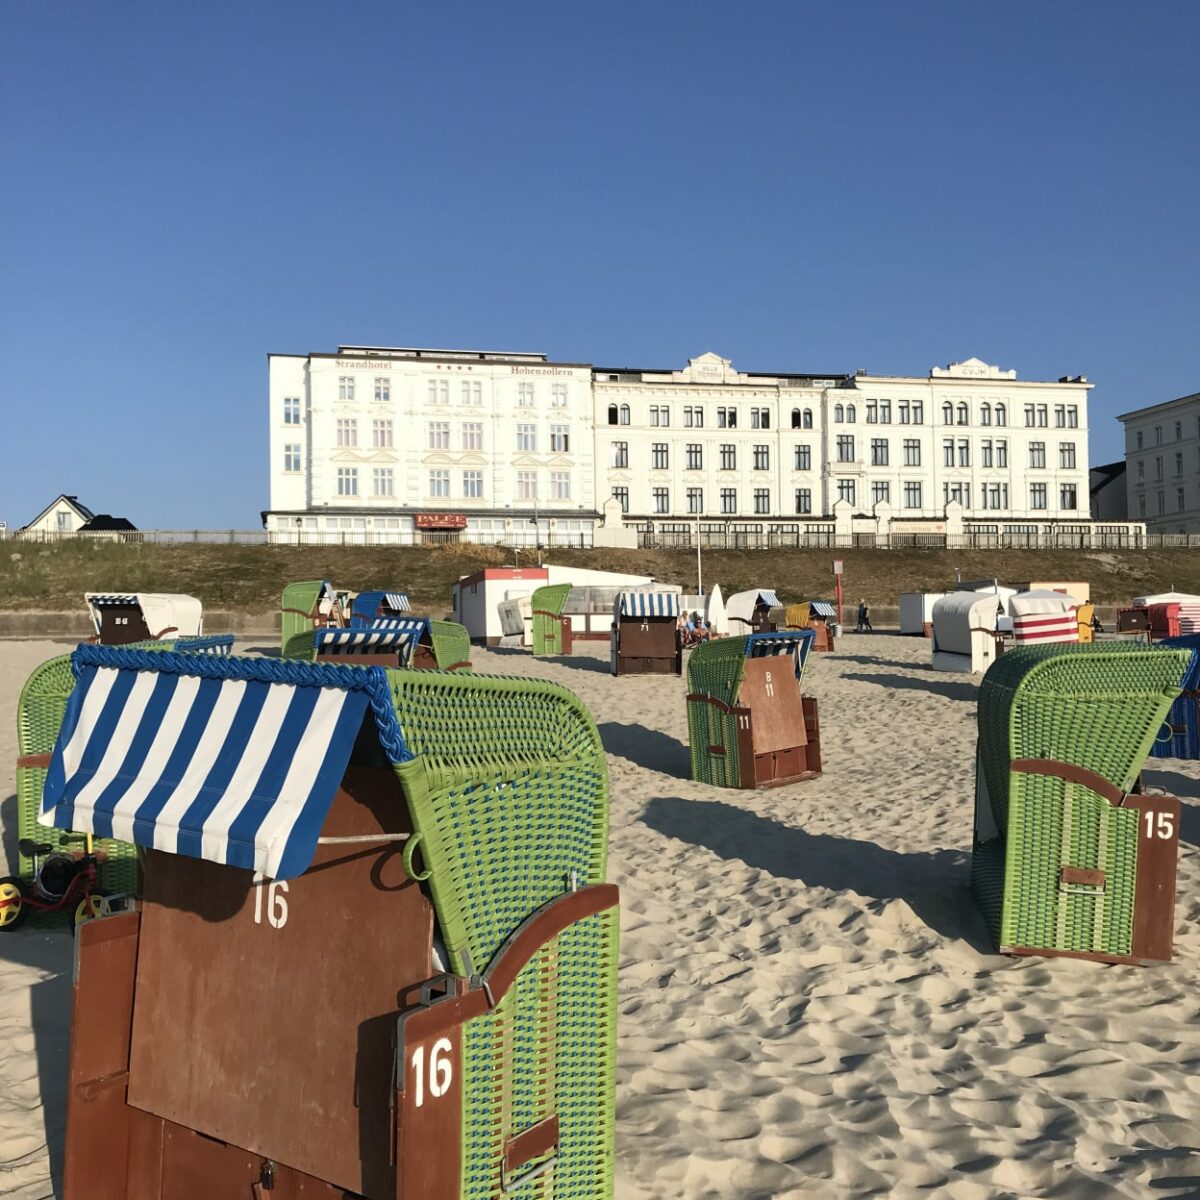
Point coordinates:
pixel 381 444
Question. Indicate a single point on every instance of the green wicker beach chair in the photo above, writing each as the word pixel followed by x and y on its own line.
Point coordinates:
pixel 425 853
pixel 748 724
pixel 1068 858
pixel 301 614
pixel 451 645
pixel 551 630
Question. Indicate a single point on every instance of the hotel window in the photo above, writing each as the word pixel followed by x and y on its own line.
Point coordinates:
pixel 947 413
pixel 1060 416
pixel 959 493
pixel 845 448
pixel 762 458
pixel 439 391
pixel 728 456
pixel 660 415
pixel 472 483
pixel 383 391
pixel 963 415
pixel 902 411
pixel 728 501
pixel 726 418
pixel 381 435
pixel 1178 430
pixel 527 438
pixel 612 414
pixel 881 493
pixel 1001 417
pixel 347 481
pixel 1142 507
pixel 912 495
pixel 806 419
pixel 849 414
pixel 472 392
pixel 985 453
pixel 1066 456
pixel 291 410
pixel 658 456
pixel 1178 463
pixel 918 412
pixel 662 500
pixel 964 453
pixel 885 412
pixel 472 435
pixel 846 490
pixel 1037 454
pixel 760 418
pixel 558 395
pixel 947 452
pixel 345 387
pixel 1072 416
pixel 912 452
pixel 560 438
pixel 1037 495
pixel 839 414
pixel 879 452
pixel 291 461
pixel 1066 496
pixel 994 496
pixel 527 485
pixel 1001 454
pixel 1029 416
pixel 872 412
pixel 624 414
pixel 762 501
pixel 1141 471
pixel 797 419
pixel 1041 416
pixel 619 454
pixel 621 496
pixel 525 395
pixel 439 435
pixel 383 481
pixel 802 458
pixel 1180 499
pixel 347 431
pixel 439 484
pixel 695 456
pixel 1158 470
pixel 560 485
pixel 1158 435
pixel 1162 504
pixel 1140 440
pixel 803 500
pixel 693 417
pixel 695 500
pixel 985 413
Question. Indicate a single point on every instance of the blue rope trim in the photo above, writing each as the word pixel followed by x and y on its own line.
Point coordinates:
pixel 371 680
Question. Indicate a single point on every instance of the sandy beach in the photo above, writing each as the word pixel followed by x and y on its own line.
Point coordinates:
pixel 809 1005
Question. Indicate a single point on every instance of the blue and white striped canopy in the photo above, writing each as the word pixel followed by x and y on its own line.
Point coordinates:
pixel 365 605
pixel 648 604
pixel 822 608
pixel 770 599
pixel 796 642
pixel 372 639
pixel 233 760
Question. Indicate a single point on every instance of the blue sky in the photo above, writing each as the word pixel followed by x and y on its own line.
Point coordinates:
pixel 796 186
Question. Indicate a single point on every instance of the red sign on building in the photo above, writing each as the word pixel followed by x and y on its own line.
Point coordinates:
pixel 440 520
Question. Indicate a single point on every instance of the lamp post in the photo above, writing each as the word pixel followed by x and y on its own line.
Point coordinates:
pixel 537 531
pixel 699 569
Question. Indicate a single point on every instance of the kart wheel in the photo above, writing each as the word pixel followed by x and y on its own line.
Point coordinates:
pixel 88 909
pixel 13 908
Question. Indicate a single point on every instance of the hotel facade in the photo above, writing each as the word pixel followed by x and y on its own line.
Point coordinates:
pixel 1162 465
pixel 392 445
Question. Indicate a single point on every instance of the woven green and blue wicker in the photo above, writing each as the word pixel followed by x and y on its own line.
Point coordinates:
pixel 547 605
pixel 1063 733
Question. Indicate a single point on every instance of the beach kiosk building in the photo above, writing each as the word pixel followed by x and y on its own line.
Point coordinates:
pixel 964 632
pixel 645 634
pixel 375 954
pixel 748 723
pixel 1069 857
pixel 120 618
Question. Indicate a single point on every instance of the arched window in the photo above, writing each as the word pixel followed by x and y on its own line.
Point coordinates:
pixel 624 414
pixel 808 418
pixel 1001 419
pixel 947 413
pixel 849 414
pixel 796 419
pixel 839 414
pixel 612 414
pixel 985 414
pixel 962 413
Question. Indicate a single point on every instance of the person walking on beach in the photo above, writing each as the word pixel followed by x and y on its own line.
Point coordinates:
pixel 864 618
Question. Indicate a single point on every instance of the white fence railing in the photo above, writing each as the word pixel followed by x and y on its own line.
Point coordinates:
pixel 520 539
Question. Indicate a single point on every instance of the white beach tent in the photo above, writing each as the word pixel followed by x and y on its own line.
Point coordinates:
pixel 964 624
pixel 166 614
pixel 916 610
pixel 739 608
